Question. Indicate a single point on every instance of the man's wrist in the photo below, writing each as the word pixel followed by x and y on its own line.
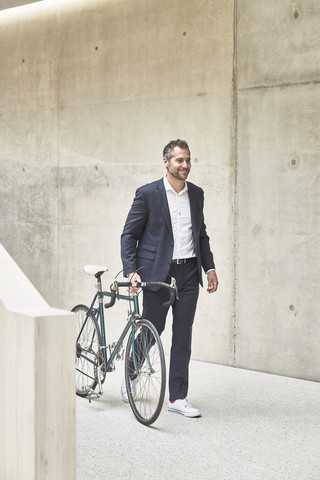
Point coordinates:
pixel 210 270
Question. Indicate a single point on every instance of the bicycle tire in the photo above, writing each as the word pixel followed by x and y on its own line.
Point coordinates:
pixel 88 345
pixel 145 372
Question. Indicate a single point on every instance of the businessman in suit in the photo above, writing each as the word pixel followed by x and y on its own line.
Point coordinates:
pixel 165 236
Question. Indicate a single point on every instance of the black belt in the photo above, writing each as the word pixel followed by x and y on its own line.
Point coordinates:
pixel 178 261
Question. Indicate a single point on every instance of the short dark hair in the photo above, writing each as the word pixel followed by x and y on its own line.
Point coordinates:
pixel 167 151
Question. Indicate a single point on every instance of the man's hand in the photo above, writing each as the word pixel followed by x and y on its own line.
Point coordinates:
pixel 134 277
pixel 212 282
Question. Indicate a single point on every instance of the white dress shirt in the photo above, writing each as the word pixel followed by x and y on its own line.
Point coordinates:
pixel 179 207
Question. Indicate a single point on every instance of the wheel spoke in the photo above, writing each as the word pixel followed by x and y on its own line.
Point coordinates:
pixel 87 350
pixel 145 369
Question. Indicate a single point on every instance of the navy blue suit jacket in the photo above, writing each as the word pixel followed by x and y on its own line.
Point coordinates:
pixel 147 239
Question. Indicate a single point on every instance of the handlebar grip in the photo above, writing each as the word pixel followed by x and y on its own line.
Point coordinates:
pixel 171 299
pixel 124 284
pixel 172 291
pixel 112 301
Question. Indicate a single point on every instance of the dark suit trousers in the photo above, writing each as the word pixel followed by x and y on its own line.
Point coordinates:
pixel 183 312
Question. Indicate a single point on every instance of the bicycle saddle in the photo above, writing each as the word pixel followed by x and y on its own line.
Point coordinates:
pixel 95 269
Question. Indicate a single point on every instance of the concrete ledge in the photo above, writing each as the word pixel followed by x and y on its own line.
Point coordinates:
pixel 37 402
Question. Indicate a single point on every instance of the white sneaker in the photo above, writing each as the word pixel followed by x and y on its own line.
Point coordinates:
pixel 183 407
pixel 124 393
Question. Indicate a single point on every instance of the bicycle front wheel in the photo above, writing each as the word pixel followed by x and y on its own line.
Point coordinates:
pixel 145 372
pixel 88 354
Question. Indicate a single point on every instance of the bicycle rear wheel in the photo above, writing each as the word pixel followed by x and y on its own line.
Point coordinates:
pixel 145 372
pixel 88 354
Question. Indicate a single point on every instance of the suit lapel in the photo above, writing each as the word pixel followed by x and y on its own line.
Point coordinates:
pixel 163 202
pixel 193 204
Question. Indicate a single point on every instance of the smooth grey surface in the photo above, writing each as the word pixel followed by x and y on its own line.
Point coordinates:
pixel 91 92
pixel 254 426
pixel 278 231
pixel 277 187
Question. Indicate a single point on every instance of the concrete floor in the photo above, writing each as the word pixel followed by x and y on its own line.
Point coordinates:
pixel 254 426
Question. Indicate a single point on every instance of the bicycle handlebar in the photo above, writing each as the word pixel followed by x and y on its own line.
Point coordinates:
pixel 172 290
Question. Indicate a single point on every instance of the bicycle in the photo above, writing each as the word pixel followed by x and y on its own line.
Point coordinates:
pixel 145 370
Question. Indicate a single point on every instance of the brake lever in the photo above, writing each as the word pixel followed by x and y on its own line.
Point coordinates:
pixel 174 286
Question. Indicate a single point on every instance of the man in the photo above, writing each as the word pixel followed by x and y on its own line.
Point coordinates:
pixel 165 236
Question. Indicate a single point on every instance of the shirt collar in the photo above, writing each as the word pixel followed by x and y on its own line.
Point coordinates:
pixel 167 186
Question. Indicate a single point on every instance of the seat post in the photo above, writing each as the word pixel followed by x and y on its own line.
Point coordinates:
pixel 99 283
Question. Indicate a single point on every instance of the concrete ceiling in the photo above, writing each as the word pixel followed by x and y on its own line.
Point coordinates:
pixel 4 4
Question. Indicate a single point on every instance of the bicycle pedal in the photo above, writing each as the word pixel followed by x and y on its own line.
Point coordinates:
pixel 92 394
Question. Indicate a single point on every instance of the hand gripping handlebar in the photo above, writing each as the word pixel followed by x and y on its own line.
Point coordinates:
pixel 172 287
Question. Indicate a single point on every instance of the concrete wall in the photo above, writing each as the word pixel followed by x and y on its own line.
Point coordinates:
pixel 278 180
pixel 92 91
pixel 37 403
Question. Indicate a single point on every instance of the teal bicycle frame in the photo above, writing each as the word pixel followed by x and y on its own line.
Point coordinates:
pixel 145 371
pixel 99 315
